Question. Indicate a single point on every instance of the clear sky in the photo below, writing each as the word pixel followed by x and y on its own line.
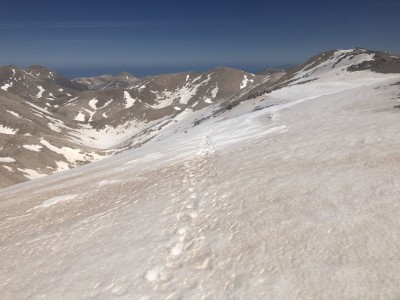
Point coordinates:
pixel 82 37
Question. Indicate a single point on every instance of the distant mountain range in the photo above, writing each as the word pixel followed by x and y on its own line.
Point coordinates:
pixel 49 123
pixel 123 80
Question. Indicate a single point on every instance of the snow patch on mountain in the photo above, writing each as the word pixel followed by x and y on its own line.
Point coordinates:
pixel 54 127
pixel 92 103
pixel 129 100
pixel 39 109
pixel 71 155
pixel 80 117
pixel 107 103
pixel 7 159
pixel 245 81
pixel 188 91
pixel 110 137
pixel 31 174
pixel 62 166
pixel 41 91
pixel 8 168
pixel 7 130
pixel 35 148
pixel 91 114
pixel 6 86
pixel 214 91
pixel 14 114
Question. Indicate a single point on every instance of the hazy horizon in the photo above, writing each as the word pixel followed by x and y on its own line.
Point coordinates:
pixel 74 72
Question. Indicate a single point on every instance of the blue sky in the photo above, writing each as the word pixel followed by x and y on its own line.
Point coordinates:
pixel 145 37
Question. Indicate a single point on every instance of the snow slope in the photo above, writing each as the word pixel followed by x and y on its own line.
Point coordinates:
pixel 291 195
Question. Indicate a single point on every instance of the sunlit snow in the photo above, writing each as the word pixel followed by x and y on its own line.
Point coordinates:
pixel 41 91
pixel 80 117
pixel 14 113
pixel 7 130
pixel 31 174
pixel 245 82
pixel 6 86
pixel 129 100
pixel 7 159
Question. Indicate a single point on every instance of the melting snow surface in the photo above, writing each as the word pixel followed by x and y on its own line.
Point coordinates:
pixel 109 182
pixel 56 200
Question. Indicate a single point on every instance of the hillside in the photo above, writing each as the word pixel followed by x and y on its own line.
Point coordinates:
pixel 51 124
